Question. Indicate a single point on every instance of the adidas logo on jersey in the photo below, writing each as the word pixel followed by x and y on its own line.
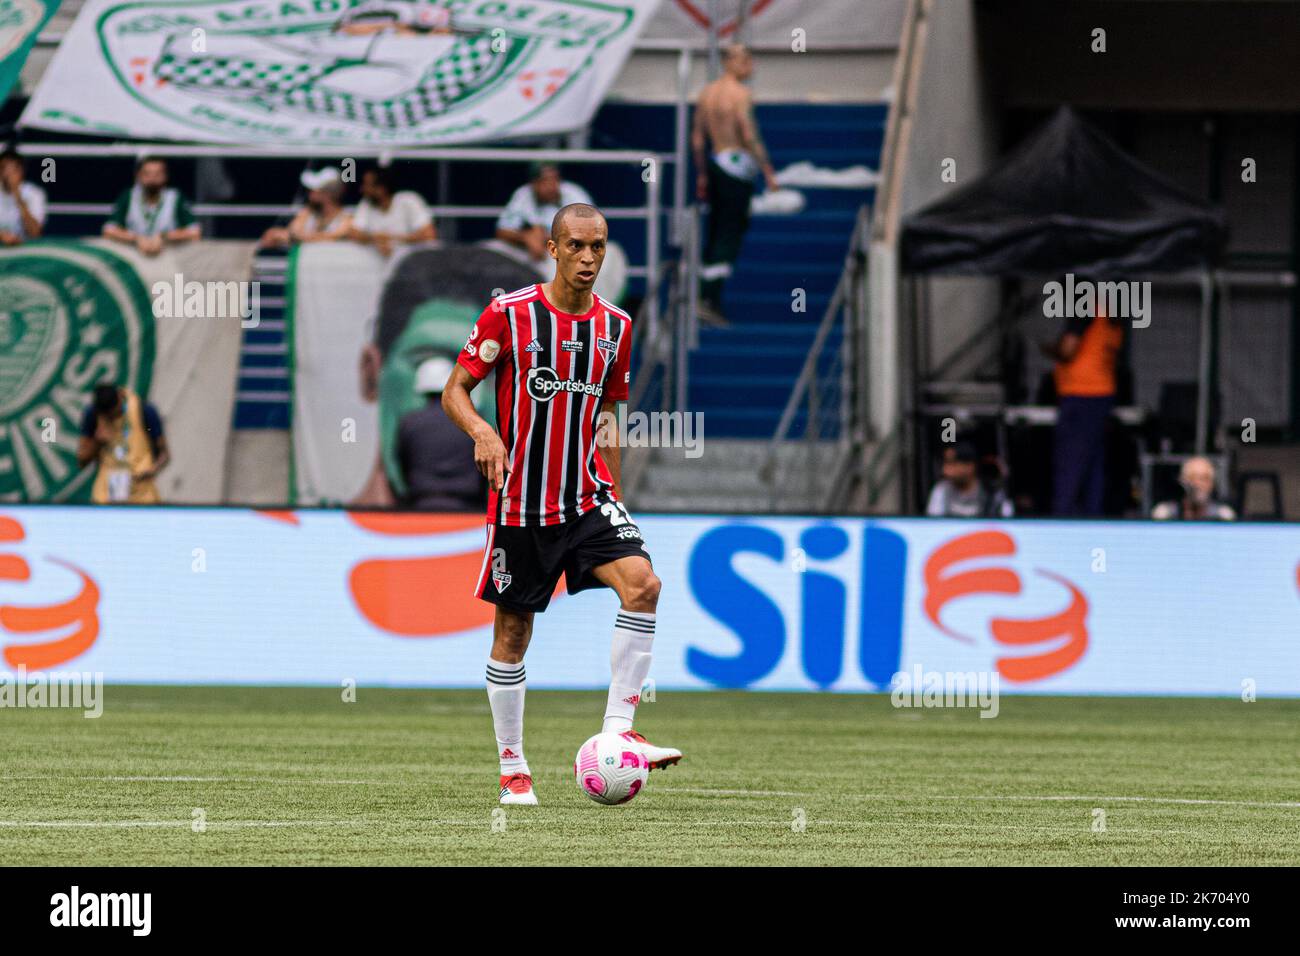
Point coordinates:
pixel 533 346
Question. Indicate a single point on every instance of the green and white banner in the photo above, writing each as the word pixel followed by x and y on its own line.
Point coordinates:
pixel 20 22
pixel 336 72
pixel 362 325
pixel 75 314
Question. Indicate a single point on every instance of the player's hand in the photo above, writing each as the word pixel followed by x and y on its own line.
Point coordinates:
pixel 772 184
pixel 490 458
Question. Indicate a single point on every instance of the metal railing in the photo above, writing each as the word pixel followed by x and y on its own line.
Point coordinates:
pixel 822 465
pixel 663 374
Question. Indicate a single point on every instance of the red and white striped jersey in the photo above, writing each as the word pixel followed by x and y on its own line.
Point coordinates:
pixel 553 372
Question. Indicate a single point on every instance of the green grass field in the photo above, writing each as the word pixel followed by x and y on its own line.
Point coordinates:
pixel 296 776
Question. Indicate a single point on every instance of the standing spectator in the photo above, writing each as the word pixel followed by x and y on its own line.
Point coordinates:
pixel 1085 357
pixel 385 217
pixel 962 493
pixel 526 221
pixel 436 457
pixel 22 204
pixel 725 124
pixel 124 435
pixel 1198 501
pixel 151 213
pixel 322 219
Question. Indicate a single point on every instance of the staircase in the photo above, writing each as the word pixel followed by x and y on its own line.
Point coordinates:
pixel 741 377
pixel 263 391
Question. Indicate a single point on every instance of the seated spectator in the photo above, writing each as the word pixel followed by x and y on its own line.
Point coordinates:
pixel 962 493
pixel 151 213
pixel 384 218
pixel 526 221
pixel 22 204
pixel 1198 501
pixel 124 435
pixel 323 219
pixel 436 457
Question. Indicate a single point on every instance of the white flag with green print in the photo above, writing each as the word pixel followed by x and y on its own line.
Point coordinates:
pixel 336 72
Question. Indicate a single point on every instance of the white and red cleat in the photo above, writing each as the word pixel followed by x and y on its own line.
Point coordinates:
pixel 658 757
pixel 517 789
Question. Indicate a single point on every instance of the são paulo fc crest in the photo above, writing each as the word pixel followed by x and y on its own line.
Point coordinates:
pixel 70 317
pixel 338 71
pixel 607 349
pixel 501 578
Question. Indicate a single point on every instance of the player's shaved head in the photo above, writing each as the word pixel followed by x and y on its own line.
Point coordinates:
pixel 578 210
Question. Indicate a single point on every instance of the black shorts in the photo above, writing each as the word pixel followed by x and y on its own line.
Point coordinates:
pixel 521 566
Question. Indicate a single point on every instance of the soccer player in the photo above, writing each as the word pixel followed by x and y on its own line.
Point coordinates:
pixel 562 357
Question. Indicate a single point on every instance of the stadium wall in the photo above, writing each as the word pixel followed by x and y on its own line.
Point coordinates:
pixel 319 597
pixel 956 124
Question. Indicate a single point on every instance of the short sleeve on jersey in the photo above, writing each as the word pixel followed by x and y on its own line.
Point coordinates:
pixel 488 343
pixel 620 376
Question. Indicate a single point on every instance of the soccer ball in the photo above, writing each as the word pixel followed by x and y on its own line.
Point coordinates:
pixel 610 769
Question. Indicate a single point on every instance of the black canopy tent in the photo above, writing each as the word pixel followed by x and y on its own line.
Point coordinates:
pixel 1068 200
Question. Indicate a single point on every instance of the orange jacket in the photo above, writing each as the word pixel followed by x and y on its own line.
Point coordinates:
pixel 1091 373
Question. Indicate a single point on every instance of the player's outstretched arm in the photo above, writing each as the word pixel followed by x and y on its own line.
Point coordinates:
pixel 489 451
pixel 608 445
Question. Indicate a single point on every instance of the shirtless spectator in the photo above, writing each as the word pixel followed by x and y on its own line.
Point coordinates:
pixel 323 219
pixel 729 153
pixel 385 217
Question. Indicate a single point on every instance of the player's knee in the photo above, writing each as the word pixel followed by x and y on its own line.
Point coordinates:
pixel 643 593
pixel 513 634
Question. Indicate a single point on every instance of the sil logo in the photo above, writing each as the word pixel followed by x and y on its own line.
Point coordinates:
pixel 48 634
pixel 811 611
pixel 1044 646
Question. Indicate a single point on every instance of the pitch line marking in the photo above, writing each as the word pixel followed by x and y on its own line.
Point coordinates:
pixel 186 824
pixel 188 779
pixel 729 793
pixel 1285 805
pixel 516 820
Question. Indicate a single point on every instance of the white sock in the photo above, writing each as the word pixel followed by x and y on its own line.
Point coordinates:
pixel 505 689
pixel 629 665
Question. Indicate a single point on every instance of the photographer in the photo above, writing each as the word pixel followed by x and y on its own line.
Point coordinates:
pixel 962 492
